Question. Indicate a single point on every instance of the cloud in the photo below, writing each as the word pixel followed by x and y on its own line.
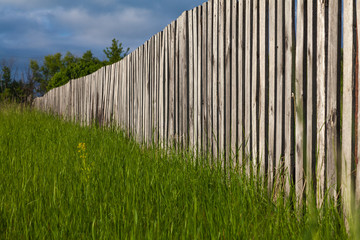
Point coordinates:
pixel 42 27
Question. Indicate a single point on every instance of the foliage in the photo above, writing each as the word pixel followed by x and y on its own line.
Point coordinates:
pixel 116 52
pixel 57 70
pixel 12 89
pixel 132 192
pixel 75 68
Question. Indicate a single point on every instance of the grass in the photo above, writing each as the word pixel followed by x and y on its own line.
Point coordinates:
pixel 62 181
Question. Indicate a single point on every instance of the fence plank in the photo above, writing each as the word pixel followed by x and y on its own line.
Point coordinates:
pixel 199 115
pixel 288 128
pixel 299 101
pixel 279 95
pixel 209 101
pixel 184 78
pixel 196 80
pixel 357 184
pixel 262 84
pixel 215 24
pixel 248 73
pixel 272 72
pixel 233 89
pixel 171 83
pixel 191 80
pixel 320 103
pixel 254 85
pixel 166 85
pixel 348 86
pixel 227 96
pixel 221 79
pixel 241 81
pixel 311 78
pixel 204 97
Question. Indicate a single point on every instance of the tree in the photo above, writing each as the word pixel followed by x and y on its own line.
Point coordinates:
pixel 116 52
pixel 5 78
pixel 79 68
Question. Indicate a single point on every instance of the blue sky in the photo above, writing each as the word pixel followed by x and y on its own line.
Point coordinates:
pixel 31 29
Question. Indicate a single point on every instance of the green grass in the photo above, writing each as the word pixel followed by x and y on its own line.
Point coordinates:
pixel 117 189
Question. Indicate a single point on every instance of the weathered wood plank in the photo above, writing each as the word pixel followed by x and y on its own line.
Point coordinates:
pixel 221 79
pixel 196 80
pixel 191 79
pixel 161 90
pixel 279 96
pixel 357 184
pixel 272 74
pixel 166 85
pixel 248 77
pixel 289 46
pixel 254 85
pixel 209 98
pixel 199 54
pixel 320 103
pixel 204 97
pixel 241 80
pixel 233 89
pixel 227 84
pixel 262 84
pixel 311 78
pixel 214 80
pixel 348 86
pixel 184 78
pixel 299 101
pixel 176 84
pixel 171 83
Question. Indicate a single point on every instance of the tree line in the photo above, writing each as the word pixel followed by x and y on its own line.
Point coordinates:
pixel 54 71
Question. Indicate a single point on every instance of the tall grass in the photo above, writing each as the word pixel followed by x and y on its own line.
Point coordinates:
pixel 62 181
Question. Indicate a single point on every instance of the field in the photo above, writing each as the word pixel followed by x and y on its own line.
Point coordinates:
pixel 59 180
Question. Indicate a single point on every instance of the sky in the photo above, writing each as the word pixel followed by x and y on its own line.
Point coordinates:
pixel 32 29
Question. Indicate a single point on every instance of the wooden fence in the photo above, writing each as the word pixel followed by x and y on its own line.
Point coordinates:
pixel 252 82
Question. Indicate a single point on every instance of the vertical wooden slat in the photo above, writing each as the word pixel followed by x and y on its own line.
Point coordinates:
pixel 262 84
pixel 272 74
pixel 311 78
pixel 196 78
pixel 299 101
pixel 147 119
pixel 184 75
pixel 204 97
pixel 181 81
pixel 320 102
pixel 233 89
pixel 227 84
pixel 171 82
pixel 176 83
pixel 280 87
pixel 191 79
pixel 289 46
pixel 221 78
pixel 209 99
pixel 199 48
pixel 166 84
pixel 161 90
pixel 248 77
pixel 215 35
pixel 357 184
pixel 347 127
pixel 254 84
pixel 241 80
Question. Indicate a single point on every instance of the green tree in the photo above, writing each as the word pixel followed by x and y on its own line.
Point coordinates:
pixel 5 78
pixel 116 52
pixel 81 67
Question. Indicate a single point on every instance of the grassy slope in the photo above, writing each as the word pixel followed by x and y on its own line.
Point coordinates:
pixel 122 191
